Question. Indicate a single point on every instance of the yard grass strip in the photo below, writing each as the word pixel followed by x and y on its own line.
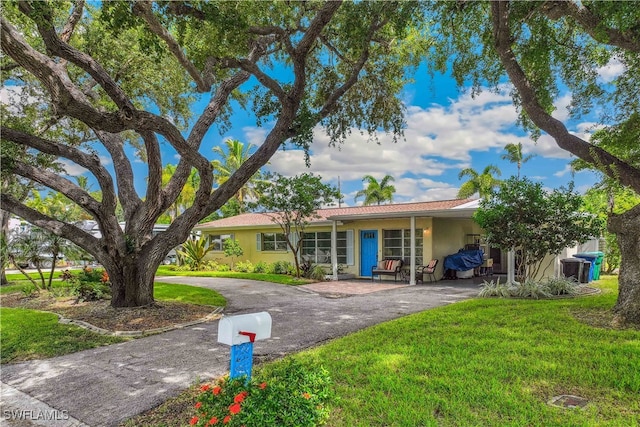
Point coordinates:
pixel 487 362
pixel 188 294
pixel 282 279
pixel 31 334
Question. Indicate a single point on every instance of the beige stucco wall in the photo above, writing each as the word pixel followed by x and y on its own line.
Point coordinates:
pixel 441 237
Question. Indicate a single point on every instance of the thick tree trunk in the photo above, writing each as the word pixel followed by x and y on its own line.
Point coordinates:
pixel 626 226
pixel 132 283
pixel 4 234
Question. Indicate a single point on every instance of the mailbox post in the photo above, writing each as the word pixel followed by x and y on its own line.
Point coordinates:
pixel 240 332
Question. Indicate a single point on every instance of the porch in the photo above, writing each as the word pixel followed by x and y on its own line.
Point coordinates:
pixel 366 286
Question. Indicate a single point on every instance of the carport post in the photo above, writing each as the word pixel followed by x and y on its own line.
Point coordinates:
pixel 412 271
pixel 334 249
pixel 511 267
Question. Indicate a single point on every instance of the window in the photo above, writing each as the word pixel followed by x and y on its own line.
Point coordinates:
pixel 316 247
pixel 272 242
pixel 397 243
pixel 216 241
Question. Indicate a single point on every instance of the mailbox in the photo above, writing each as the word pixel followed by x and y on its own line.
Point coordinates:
pixel 244 328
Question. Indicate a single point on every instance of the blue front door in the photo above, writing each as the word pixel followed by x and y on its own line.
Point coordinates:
pixel 368 251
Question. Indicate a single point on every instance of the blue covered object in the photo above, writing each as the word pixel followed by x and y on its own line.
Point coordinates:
pixel 464 260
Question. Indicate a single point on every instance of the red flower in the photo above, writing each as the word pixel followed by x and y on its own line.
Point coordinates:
pixel 213 421
pixel 263 386
pixel 234 409
pixel 216 390
pixel 306 395
pixel 240 397
pixel 204 387
pixel 227 419
pixel 198 405
pixel 193 421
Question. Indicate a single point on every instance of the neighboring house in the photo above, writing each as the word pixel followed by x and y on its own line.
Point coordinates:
pixel 362 235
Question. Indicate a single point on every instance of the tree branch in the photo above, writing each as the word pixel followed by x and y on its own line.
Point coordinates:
pixel 87 161
pixel 593 24
pixel 124 173
pixel 66 97
pixel 75 16
pixel 143 10
pixel 610 165
pixel 59 228
pixel 59 184
pixel 44 21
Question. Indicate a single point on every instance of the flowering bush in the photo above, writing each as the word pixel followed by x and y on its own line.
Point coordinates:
pixel 89 284
pixel 287 394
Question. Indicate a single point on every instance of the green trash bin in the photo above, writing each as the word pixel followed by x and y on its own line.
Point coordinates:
pixel 598 266
pixel 596 259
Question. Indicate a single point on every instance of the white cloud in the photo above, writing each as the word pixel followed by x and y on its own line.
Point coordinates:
pixel 567 170
pixel 438 139
pixel 611 70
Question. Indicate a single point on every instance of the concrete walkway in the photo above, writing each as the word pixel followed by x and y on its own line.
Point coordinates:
pixel 107 385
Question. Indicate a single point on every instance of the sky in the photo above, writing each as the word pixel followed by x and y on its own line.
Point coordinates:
pixel 447 130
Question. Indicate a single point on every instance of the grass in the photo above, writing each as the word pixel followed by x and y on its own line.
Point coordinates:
pixel 188 294
pixel 17 281
pixel 487 362
pixel 282 279
pixel 31 334
pixel 483 362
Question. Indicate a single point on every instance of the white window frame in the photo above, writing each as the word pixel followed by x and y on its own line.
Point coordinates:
pixel 281 242
pixel 347 258
pixel 221 238
pixel 405 244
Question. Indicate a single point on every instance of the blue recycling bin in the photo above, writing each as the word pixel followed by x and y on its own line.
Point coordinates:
pixel 597 265
pixel 592 262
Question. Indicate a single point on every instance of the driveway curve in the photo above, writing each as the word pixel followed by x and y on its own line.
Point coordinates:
pixel 107 385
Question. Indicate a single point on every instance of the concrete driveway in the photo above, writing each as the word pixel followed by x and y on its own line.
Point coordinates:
pixel 104 386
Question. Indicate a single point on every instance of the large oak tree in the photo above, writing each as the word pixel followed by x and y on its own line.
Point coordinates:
pixel 543 47
pixel 127 73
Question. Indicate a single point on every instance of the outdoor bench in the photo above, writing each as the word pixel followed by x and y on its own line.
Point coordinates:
pixel 388 267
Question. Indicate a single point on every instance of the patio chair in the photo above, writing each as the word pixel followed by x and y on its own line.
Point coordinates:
pixel 429 269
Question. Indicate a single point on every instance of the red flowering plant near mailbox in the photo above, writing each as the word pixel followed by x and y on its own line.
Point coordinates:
pixel 284 394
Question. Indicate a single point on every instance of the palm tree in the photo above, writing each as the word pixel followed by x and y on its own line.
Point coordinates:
pixel 376 192
pixel 482 183
pixel 231 161
pixel 514 155
pixel 187 195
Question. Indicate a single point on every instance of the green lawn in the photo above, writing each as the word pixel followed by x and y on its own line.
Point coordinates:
pixel 264 277
pixel 31 334
pixel 188 294
pixel 487 362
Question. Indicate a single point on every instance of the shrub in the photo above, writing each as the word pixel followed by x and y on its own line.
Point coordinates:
pixel 289 394
pixel 223 267
pixel 494 289
pixel 529 289
pixel 261 267
pixel 89 291
pixel 317 273
pixel 561 286
pixel 30 290
pixel 89 284
pixel 282 267
pixel 244 267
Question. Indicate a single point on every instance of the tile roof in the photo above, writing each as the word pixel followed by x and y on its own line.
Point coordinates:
pixel 261 219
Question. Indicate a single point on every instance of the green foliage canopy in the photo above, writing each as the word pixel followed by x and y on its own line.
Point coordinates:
pixel 524 217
